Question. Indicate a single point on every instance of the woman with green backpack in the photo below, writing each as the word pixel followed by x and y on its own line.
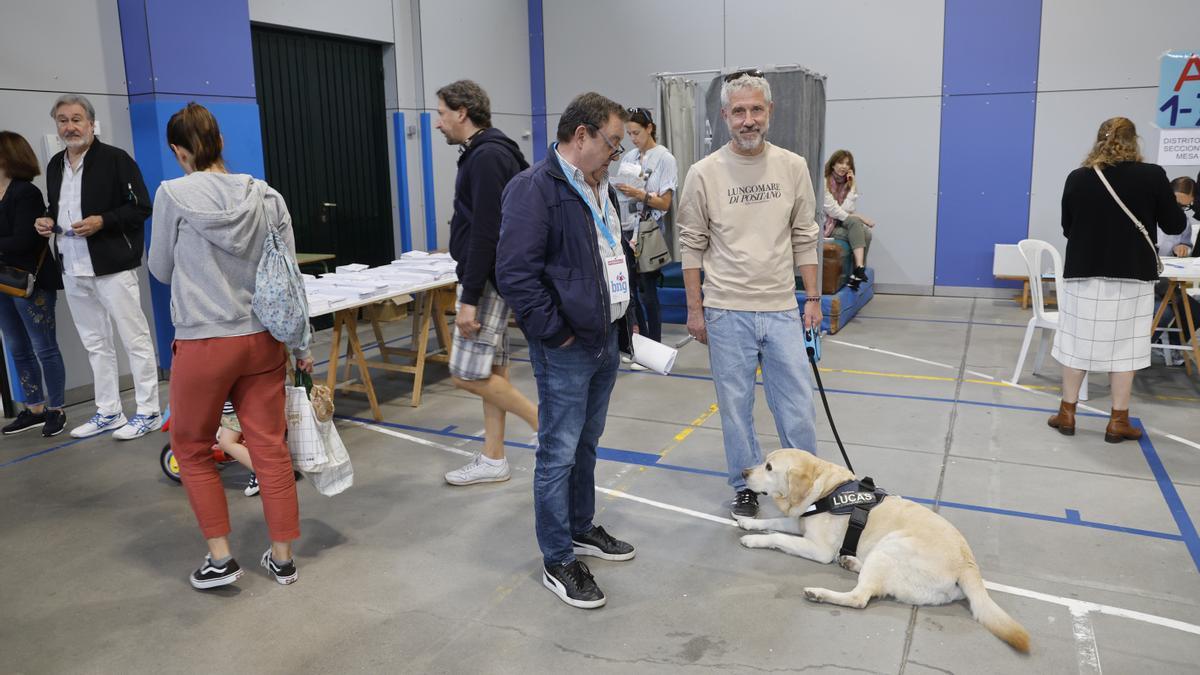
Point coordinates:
pixel 215 235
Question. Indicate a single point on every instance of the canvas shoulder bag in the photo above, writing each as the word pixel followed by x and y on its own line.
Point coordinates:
pixel 279 299
pixel 1141 228
pixel 652 251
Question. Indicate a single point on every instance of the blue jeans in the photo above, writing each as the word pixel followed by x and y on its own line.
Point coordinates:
pixel 28 325
pixel 573 389
pixel 740 342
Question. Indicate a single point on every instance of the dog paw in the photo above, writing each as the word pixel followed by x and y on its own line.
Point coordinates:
pixel 756 541
pixel 812 595
pixel 747 523
pixel 849 562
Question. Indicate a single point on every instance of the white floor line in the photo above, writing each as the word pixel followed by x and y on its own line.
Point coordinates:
pixel 668 507
pixel 1081 405
pixel 407 437
pixel 1087 653
pixel 898 355
pixel 1071 604
pixel 1075 605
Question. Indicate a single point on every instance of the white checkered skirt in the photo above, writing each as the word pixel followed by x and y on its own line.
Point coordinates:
pixel 1104 325
pixel 473 358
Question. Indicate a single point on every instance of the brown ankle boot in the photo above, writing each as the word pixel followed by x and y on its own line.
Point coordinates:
pixel 1064 421
pixel 1119 428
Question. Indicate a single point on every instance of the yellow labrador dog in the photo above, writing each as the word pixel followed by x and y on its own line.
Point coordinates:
pixel 906 551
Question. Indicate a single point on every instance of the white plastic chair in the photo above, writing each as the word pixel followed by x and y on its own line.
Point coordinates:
pixel 1033 250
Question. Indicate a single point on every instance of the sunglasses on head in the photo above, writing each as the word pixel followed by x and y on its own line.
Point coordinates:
pixel 641 111
pixel 749 72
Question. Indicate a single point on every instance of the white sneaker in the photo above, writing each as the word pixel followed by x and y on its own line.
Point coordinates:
pixel 139 426
pixel 626 359
pixel 479 471
pixel 638 366
pixel 98 425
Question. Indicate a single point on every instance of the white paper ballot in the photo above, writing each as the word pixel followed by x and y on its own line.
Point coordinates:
pixel 654 355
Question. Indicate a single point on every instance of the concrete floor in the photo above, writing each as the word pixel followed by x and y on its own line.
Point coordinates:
pixel 1089 545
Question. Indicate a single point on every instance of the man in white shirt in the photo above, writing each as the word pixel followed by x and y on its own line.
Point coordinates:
pixel 98 206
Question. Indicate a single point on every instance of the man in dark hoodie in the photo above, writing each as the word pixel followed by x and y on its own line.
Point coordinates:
pixel 479 359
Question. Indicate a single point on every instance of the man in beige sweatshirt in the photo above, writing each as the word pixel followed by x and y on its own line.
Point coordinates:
pixel 747 218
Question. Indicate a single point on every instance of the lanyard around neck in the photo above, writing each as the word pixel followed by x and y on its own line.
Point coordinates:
pixel 597 216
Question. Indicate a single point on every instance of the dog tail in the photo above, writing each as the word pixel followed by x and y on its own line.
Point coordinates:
pixel 988 613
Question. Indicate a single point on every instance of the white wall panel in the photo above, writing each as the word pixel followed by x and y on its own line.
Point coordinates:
pixel 1097 44
pixel 868 48
pixel 897 170
pixel 1065 130
pixel 487 42
pixel 363 19
pixel 62 45
pixel 613 47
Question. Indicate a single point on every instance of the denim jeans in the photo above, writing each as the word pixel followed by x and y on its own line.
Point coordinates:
pixel 740 342
pixel 573 389
pixel 28 325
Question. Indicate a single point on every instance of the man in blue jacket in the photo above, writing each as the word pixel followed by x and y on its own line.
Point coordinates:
pixel 560 267
pixel 479 360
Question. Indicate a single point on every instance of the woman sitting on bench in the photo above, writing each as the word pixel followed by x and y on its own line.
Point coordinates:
pixel 841 221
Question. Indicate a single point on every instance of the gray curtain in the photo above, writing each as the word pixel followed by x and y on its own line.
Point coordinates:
pixel 677 131
pixel 797 124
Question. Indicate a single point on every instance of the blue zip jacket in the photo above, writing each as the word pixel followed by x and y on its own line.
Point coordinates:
pixel 548 266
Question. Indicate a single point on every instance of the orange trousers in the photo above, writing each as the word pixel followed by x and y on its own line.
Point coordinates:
pixel 248 370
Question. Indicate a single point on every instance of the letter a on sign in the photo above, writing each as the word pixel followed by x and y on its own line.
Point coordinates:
pixel 1185 74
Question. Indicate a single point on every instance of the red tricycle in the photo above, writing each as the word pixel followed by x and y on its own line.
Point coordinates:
pixel 170 466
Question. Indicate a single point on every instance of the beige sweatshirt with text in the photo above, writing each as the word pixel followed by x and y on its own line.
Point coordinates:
pixel 748 222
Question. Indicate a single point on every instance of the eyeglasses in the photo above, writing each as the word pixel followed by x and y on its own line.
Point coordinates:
pixel 641 111
pixel 749 72
pixel 617 150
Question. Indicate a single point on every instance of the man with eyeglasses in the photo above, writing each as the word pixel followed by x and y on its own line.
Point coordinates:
pixel 562 269
pixel 747 218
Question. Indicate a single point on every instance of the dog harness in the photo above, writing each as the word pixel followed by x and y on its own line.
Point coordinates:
pixel 854 498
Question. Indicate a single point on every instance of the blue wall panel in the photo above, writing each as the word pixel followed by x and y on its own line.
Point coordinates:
pixel 402 200
pixel 537 80
pixel 188 48
pixel 991 47
pixel 985 167
pixel 986 151
pixel 176 52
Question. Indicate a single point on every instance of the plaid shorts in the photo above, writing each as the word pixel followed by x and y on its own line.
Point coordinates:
pixel 473 359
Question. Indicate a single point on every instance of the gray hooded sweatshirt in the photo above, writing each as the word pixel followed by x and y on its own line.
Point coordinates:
pixel 206 241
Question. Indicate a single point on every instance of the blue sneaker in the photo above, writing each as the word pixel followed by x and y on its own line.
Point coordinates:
pixel 98 425
pixel 139 426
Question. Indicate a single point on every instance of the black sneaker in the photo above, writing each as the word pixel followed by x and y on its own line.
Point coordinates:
pixel 24 422
pixel 858 276
pixel 600 544
pixel 285 574
pixel 573 584
pixel 744 504
pixel 211 576
pixel 251 485
pixel 55 421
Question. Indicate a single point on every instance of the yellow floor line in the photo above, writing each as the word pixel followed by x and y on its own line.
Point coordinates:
pixel 687 431
pixel 679 438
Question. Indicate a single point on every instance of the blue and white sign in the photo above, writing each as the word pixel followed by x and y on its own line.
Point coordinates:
pixel 1179 90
